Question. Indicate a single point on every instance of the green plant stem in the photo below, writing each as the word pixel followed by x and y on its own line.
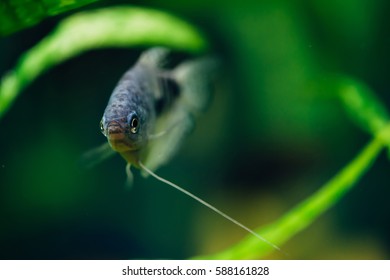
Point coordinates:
pixel 309 210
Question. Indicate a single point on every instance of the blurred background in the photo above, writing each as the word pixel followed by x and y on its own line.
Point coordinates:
pixel 271 137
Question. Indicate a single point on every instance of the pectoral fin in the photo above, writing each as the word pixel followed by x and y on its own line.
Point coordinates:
pixel 96 155
pixel 172 128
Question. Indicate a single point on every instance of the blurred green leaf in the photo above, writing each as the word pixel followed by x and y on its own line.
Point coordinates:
pixel 306 212
pixel 363 106
pixel 369 113
pixel 18 14
pixel 111 27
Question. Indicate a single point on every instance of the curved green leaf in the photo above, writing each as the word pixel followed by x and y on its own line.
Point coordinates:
pixel 309 210
pixel 18 14
pixel 122 26
pixel 363 106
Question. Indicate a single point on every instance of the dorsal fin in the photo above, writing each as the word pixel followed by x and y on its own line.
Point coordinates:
pixel 155 57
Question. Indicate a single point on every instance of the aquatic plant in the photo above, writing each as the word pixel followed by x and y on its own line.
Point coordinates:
pixel 19 14
pixel 74 36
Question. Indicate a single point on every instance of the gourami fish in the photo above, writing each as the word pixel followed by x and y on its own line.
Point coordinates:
pixel 150 112
pixel 152 109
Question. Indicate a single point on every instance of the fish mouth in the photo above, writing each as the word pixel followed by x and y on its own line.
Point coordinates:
pixel 116 136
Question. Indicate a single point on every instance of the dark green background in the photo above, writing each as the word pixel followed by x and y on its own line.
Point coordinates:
pixel 272 136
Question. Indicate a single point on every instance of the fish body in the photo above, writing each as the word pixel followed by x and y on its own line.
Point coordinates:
pixel 130 114
pixel 151 109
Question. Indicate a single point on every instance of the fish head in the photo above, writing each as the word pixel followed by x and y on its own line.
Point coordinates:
pixel 125 133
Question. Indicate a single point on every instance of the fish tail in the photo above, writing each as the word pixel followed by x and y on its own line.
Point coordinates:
pixel 195 81
pixel 156 56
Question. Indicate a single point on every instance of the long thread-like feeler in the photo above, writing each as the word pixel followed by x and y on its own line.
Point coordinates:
pixel 144 168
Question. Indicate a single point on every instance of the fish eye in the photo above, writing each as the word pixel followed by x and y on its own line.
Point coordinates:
pixel 134 123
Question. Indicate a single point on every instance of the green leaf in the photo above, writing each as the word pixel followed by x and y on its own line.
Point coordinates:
pixel 18 14
pixel 110 27
pixel 363 106
pixel 305 213
pixel 368 112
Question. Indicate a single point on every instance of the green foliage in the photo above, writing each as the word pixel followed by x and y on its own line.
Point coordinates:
pixel 363 106
pixel 18 14
pixel 305 213
pixel 368 112
pixel 113 27
pixel 99 29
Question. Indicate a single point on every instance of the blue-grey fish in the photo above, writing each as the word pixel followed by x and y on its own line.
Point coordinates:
pixel 152 109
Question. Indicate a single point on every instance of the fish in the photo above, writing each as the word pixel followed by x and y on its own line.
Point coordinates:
pixel 151 111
